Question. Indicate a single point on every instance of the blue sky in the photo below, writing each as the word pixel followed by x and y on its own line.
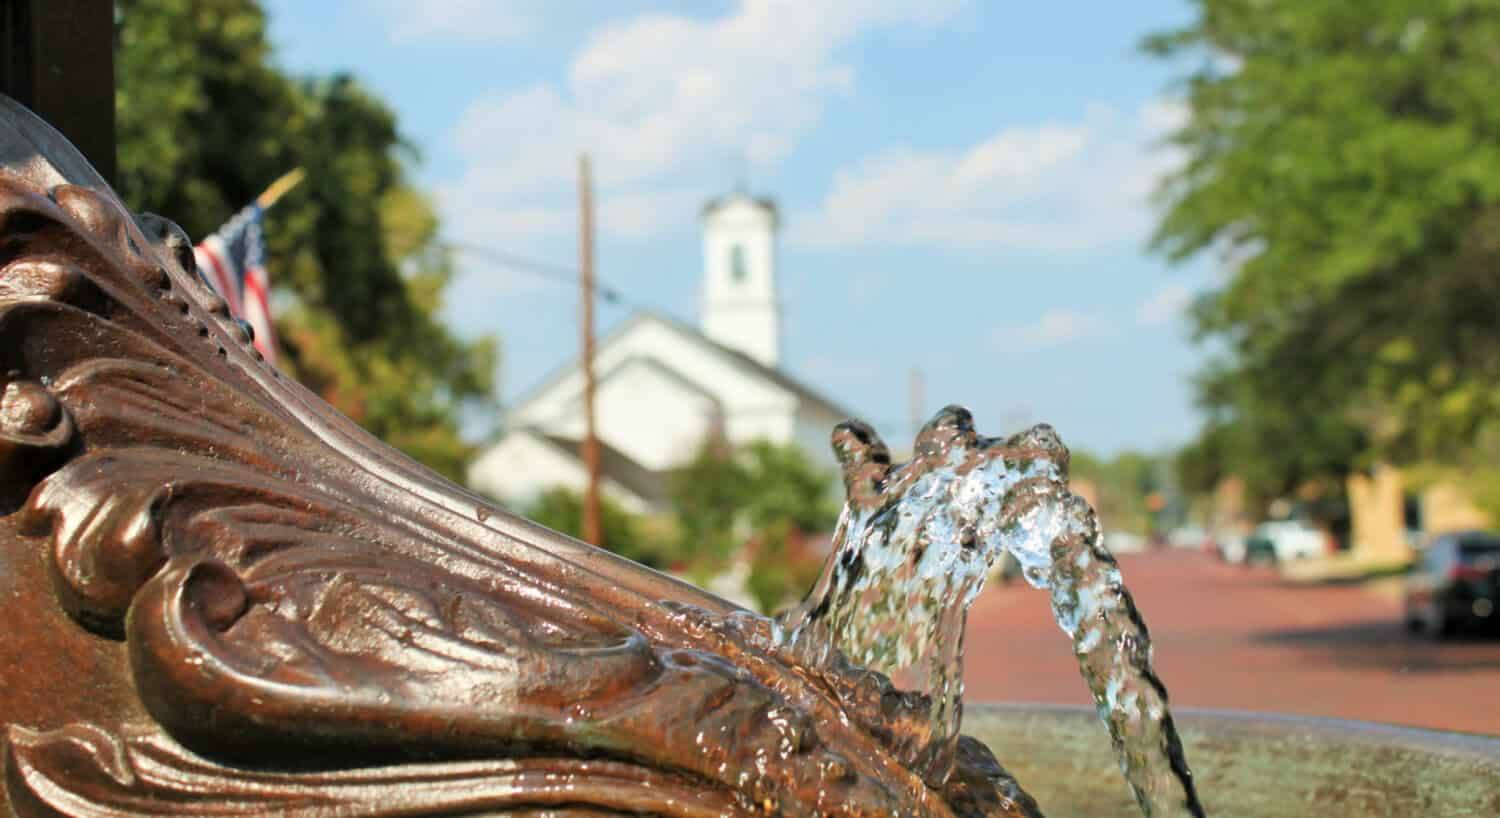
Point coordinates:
pixel 963 184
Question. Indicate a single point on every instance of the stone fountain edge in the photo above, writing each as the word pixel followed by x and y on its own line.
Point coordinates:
pixel 1251 765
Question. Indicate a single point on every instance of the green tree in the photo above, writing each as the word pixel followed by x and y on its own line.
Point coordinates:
pixel 762 496
pixel 1344 156
pixel 206 121
pixel 784 486
pixel 1123 484
pixel 708 496
pixel 780 572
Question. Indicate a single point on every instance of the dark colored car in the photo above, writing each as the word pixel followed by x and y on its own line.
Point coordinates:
pixel 1455 584
pixel 1259 548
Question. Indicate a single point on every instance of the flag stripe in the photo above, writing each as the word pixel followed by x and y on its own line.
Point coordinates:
pixel 258 312
pixel 231 290
pixel 232 260
pixel 209 271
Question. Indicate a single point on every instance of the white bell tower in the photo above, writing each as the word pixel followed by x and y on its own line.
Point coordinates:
pixel 741 306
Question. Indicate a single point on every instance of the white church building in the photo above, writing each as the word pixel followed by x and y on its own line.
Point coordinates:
pixel 664 387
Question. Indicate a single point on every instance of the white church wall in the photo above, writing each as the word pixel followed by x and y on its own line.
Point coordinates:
pixel 520 467
pixel 752 406
pixel 773 423
pixel 743 328
pixel 652 417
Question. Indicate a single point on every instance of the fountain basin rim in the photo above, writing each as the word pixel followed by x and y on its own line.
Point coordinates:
pixel 1250 765
pixel 1253 721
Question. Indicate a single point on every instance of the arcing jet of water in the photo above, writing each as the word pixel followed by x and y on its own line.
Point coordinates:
pixel 912 551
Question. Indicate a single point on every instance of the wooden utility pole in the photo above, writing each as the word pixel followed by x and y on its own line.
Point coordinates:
pixel 592 530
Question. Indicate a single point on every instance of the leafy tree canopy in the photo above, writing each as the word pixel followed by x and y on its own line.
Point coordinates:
pixel 1344 159
pixel 206 121
pixel 764 495
pixel 1122 485
pixel 625 534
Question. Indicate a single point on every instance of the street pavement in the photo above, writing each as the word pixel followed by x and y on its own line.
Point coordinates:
pixel 1242 638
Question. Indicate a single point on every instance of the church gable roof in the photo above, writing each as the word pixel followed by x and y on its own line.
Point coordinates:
pixel 802 391
pixel 740 361
pixel 614 465
pixel 677 378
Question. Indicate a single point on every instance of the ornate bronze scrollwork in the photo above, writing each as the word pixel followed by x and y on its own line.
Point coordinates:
pixel 222 598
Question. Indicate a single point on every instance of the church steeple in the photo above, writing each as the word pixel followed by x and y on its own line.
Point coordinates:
pixel 741 305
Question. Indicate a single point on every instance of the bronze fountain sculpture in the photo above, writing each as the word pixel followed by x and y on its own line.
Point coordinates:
pixel 224 599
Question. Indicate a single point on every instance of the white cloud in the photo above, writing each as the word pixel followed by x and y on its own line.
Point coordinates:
pixel 460 20
pixel 1161 117
pixel 640 214
pixel 624 213
pixel 1049 186
pixel 470 221
pixel 1054 327
pixel 662 97
pixel 1164 305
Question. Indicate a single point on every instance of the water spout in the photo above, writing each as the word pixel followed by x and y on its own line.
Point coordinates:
pixel 912 550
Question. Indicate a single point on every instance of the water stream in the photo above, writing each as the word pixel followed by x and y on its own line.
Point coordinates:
pixel 913 548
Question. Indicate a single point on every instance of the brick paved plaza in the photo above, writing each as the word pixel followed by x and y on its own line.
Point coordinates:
pixel 1232 637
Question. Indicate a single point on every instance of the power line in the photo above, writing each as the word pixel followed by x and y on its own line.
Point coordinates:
pixel 553 273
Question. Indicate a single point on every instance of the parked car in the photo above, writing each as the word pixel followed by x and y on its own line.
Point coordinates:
pixel 1455 583
pixel 1124 542
pixel 1231 547
pixel 1188 536
pixel 1284 541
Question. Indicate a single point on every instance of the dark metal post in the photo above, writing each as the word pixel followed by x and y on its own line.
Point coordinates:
pixel 57 58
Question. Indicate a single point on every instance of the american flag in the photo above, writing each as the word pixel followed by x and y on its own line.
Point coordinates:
pixel 233 261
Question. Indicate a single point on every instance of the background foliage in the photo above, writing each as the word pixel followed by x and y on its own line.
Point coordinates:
pixel 207 121
pixel 766 495
pixel 624 533
pixel 1124 484
pixel 1344 164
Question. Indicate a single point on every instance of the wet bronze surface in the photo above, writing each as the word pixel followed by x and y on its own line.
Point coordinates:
pixel 222 598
